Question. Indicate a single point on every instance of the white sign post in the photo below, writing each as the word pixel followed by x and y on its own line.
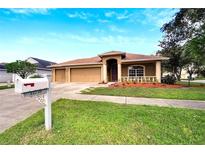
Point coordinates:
pixel 47 110
pixel 40 89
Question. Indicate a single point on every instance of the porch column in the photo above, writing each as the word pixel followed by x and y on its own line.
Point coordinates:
pixel 53 74
pixel 67 74
pixel 119 70
pixel 105 73
pixel 158 71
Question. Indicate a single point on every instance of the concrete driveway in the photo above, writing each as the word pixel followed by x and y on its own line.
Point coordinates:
pixel 15 108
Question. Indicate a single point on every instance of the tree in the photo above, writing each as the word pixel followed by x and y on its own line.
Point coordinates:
pixel 177 57
pixel 183 41
pixel 195 48
pixel 191 69
pixel 22 68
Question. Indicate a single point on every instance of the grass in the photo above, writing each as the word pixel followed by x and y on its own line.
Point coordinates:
pixel 6 87
pixel 187 93
pixel 85 122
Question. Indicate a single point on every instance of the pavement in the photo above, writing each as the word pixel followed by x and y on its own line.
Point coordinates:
pixel 199 81
pixel 196 81
pixel 15 108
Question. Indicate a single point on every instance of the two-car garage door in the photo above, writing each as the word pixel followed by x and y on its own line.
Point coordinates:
pixel 85 74
pixel 92 74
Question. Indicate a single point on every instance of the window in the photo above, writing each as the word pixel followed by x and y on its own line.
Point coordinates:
pixel 136 71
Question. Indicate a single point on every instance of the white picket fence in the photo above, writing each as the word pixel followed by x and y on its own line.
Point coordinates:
pixel 139 79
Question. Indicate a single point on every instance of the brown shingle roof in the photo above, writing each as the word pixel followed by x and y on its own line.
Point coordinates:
pixel 92 60
pixel 97 59
pixel 130 56
pixel 112 53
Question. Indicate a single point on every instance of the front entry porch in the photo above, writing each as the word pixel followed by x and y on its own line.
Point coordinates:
pixel 138 72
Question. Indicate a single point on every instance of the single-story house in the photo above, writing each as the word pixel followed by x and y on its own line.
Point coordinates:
pixel 4 76
pixel 109 67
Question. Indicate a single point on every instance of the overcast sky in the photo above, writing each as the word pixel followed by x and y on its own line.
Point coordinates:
pixel 64 34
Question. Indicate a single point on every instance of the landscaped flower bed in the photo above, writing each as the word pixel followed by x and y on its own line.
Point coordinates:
pixel 145 85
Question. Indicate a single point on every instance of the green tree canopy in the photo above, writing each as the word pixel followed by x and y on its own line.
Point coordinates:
pixel 22 68
pixel 183 40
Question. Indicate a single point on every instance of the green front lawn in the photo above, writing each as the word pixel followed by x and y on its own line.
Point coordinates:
pixel 187 93
pixel 6 87
pixel 85 122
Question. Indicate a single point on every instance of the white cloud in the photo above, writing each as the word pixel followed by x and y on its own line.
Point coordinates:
pixel 159 16
pixel 110 13
pixel 114 28
pixel 124 15
pixel 119 16
pixel 86 38
pixel 107 39
pixel 103 21
pixel 99 30
pixel 81 15
pixel 29 11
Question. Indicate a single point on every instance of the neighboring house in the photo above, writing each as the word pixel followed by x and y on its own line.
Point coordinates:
pixel 42 65
pixel 109 67
pixel 185 75
pixel 4 76
pixel 42 68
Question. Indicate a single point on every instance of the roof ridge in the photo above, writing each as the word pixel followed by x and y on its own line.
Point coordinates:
pixel 41 59
pixel 79 59
pixel 140 54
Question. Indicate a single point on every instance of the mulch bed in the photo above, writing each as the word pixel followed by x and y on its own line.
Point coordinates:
pixel 145 85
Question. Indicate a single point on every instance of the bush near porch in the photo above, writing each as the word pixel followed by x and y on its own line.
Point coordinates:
pixel 86 122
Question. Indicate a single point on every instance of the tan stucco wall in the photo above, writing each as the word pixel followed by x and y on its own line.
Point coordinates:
pixel 149 68
pixel 97 73
pixel 118 58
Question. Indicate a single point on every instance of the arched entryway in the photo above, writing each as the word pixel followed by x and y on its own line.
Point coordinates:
pixel 112 73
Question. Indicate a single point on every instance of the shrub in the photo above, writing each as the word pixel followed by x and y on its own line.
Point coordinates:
pixel 169 79
pixel 36 76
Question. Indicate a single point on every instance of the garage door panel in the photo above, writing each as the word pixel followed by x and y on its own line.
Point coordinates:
pixel 85 74
pixel 60 75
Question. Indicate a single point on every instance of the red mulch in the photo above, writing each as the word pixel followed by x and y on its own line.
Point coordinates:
pixel 145 85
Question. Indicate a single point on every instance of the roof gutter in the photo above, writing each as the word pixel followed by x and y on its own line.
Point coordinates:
pixel 82 64
pixel 140 60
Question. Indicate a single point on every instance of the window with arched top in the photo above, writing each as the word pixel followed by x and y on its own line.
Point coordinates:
pixel 136 71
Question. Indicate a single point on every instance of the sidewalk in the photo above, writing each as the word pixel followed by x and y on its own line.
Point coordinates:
pixel 193 104
pixel 63 92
